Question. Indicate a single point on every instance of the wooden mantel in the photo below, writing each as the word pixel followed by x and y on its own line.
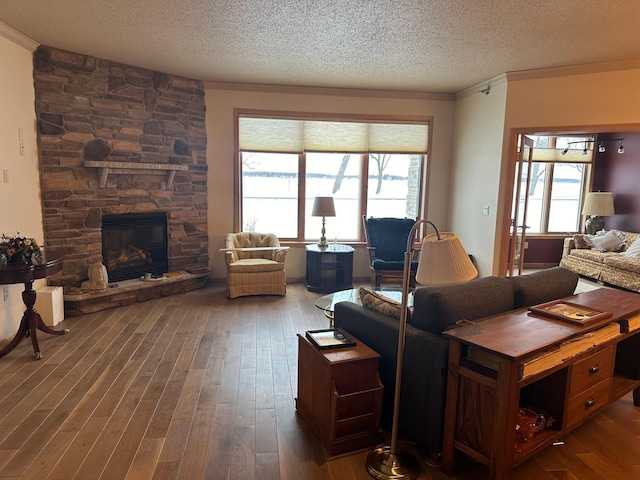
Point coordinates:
pixel 105 168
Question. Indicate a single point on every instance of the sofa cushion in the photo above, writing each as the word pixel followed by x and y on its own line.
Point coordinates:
pixel 543 286
pixel 437 308
pixel 591 255
pixel 253 265
pixel 626 264
pixel 606 241
pixel 580 242
pixel 632 250
pixel 631 238
pixel 379 303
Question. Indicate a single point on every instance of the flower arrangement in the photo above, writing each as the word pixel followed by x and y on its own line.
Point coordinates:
pixel 19 248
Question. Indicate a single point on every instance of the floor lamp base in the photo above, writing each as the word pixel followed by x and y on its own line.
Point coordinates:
pixel 381 464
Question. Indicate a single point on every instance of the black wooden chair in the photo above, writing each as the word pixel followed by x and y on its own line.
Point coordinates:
pixel 387 243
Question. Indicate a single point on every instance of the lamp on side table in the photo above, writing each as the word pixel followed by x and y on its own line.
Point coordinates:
pixel 323 207
pixel 597 205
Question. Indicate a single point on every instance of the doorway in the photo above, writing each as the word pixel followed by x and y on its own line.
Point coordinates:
pixel 551 172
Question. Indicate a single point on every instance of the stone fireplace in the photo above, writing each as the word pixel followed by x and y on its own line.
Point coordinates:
pixel 134 244
pixel 115 139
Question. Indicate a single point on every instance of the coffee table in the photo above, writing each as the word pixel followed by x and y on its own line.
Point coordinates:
pixel 327 302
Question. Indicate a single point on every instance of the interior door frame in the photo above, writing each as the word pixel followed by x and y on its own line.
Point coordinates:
pixel 519 232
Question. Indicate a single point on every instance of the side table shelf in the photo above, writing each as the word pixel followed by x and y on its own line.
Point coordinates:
pixel 340 394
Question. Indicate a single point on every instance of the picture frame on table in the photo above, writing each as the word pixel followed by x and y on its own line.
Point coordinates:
pixel 329 338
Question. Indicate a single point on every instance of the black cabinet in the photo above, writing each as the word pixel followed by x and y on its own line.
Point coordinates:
pixel 329 268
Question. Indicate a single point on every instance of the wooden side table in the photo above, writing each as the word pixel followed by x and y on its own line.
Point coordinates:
pixel 329 268
pixel 31 320
pixel 340 394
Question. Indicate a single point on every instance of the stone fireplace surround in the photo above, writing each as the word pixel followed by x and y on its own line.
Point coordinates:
pixel 116 139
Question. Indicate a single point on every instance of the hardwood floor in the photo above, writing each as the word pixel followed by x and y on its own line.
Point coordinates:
pixel 197 386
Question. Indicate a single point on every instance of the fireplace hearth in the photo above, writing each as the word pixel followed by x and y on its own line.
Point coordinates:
pixel 134 244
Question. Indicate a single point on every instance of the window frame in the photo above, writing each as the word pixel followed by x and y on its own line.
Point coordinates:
pixel 548 185
pixel 364 165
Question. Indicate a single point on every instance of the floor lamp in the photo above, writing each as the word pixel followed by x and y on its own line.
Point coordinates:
pixel 443 261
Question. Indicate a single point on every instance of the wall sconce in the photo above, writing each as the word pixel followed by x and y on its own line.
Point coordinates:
pixel 621 147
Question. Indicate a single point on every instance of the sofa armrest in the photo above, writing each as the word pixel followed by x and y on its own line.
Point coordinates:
pixel 567 246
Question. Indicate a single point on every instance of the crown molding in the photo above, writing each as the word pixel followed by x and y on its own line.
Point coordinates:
pixel 326 91
pixel 18 38
pixel 480 87
pixel 632 64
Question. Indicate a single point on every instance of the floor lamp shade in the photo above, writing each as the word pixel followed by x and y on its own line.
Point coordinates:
pixel 443 261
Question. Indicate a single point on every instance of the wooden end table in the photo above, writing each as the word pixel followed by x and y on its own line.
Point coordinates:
pixel 483 400
pixel 340 394
pixel 329 268
pixel 31 320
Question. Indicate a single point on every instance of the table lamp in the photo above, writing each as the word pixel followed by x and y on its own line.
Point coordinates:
pixel 596 205
pixel 443 261
pixel 323 207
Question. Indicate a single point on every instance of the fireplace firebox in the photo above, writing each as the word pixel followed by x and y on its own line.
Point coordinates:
pixel 134 244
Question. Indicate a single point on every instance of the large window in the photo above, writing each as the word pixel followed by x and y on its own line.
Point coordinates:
pixel 554 192
pixel 286 163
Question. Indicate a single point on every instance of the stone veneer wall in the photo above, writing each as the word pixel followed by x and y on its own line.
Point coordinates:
pixel 93 109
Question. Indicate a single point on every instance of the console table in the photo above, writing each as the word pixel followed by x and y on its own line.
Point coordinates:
pixel 31 320
pixel 483 400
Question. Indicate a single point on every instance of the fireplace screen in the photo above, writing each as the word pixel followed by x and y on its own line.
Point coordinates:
pixel 134 244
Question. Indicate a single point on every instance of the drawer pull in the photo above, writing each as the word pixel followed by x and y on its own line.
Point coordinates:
pixel 594 369
pixel 589 403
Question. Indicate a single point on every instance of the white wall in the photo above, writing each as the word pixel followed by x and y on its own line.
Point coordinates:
pixel 475 173
pixel 20 198
pixel 220 148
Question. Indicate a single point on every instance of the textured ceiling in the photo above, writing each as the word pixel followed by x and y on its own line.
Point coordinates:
pixel 410 45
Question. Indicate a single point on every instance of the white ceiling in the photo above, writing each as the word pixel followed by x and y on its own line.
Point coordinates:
pixel 439 46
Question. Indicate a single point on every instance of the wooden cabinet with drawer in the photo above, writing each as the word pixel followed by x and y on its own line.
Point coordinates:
pixel 340 394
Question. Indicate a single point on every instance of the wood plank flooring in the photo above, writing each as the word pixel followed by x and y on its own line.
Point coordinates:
pixel 196 386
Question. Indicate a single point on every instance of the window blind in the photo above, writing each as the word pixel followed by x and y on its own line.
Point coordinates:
pixel 302 135
pixel 555 155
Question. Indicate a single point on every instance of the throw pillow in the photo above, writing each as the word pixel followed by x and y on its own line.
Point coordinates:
pixel 610 241
pixel 379 303
pixel 633 251
pixel 579 241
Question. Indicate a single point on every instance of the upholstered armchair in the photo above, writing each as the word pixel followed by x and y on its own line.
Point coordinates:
pixel 255 264
pixel 386 244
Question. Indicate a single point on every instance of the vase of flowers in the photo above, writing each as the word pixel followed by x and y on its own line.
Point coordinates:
pixel 19 249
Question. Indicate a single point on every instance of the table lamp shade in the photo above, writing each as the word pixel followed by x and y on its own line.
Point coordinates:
pixel 323 207
pixel 598 203
pixel 443 261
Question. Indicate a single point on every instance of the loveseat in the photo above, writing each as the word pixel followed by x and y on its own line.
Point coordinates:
pixel 435 309
pixel 611 262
